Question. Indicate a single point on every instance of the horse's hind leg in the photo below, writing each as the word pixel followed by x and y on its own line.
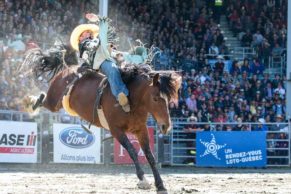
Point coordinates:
pixel 143 139
pixel 123 140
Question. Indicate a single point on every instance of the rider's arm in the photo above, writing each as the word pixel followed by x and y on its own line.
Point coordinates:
pixel 103 30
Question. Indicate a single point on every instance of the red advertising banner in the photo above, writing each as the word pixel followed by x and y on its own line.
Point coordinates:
pixel 16 150
pixel 121 156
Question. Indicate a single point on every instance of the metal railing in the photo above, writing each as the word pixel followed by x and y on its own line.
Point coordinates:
pixel 183 142
pixel 277 65
pixel 240 53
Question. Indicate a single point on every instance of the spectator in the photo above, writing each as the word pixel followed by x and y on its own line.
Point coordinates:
pixel 235 69
pixel 280 90
pixel 257 67
pixel 276 81
pixel 17 44
pixel 239 126
pixel 213 50
pixel 190 134
pixel 257 39
pixel 261 126
pixel 264 52
pixel 223 49
pixel 277 50
pixel 219 65
pixel 279 125
pixel 174 111
pixel 192 103
pixel 228 128
pixel 247 39
pixel 278 108
pixel 246 66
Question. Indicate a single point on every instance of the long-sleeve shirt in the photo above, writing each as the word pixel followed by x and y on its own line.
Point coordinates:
pixel 96 51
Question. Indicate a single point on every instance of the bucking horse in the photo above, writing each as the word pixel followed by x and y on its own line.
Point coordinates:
pixel 86 93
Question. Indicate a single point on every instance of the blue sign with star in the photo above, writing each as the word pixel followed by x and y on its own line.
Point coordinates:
pixel 231 149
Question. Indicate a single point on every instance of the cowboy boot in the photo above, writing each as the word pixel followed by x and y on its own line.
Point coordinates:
pixel 123 101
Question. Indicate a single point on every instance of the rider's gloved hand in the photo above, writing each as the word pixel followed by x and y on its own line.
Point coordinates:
pixel 92 45
pixel 92 17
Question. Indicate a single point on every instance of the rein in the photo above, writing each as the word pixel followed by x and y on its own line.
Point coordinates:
pixel 76 78
pixel 97 104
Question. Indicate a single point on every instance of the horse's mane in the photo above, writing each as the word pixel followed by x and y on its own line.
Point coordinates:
pixel 167 82
pixel 130 72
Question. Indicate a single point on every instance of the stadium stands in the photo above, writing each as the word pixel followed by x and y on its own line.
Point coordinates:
pixel 215 88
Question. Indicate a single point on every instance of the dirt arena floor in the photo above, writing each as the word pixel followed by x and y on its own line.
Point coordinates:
pixel 122 179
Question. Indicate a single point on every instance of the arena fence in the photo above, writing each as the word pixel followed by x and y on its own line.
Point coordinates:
pixel 178 148
pixel 276 65
pixel 240 53
pixel 183 142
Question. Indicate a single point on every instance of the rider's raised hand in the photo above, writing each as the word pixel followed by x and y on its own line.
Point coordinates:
pixel 92 17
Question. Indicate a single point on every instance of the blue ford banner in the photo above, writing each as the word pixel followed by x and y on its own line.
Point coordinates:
pixel 231 149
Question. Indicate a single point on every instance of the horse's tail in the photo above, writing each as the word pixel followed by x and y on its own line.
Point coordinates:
pixel 46 64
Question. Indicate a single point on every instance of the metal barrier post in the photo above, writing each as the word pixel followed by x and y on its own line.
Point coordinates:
pixel 107 148
pixel 160 148
pixel 45 125
pixel 171 148
pixel 40 135
pixel 289 146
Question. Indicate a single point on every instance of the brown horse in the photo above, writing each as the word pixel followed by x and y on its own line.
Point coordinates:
pixel 149 93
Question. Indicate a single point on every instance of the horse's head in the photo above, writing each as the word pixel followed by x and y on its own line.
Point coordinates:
pixel 163 89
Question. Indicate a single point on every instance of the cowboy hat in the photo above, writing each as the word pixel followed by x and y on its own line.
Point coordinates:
pixel 192 118
pixel 262 120
pixel 74 40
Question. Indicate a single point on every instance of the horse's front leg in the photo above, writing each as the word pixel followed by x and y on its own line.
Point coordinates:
pixel 143 139
pixel 124 141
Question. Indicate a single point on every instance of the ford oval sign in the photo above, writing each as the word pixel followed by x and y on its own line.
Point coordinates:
pixel 75 137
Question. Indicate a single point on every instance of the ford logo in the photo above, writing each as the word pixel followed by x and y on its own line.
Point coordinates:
pixel 75 137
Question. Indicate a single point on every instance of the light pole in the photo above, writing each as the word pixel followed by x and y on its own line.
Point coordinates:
pixel 103 8
pixel 288 71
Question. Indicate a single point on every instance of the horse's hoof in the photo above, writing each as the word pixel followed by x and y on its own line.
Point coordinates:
pixel 143 184
pixel 162 192
pixel 28 102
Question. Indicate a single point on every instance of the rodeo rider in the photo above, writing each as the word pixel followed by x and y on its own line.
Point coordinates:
pixel 91 41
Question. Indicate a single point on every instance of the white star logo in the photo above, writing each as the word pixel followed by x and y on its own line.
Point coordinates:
pixel 212 147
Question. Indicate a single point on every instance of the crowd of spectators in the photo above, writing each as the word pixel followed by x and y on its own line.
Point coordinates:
pixel 261 24
pixel 214 92
pixel 225 97
pixel 185 31
pixel 210 97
